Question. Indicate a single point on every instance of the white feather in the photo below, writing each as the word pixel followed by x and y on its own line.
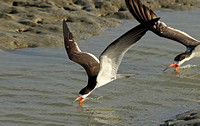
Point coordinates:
pixel 112 56
pixel 93 56
pixel 109 65
pixel 183 33
pixel 196 51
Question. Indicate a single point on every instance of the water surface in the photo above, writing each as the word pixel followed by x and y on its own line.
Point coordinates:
pixel 37 86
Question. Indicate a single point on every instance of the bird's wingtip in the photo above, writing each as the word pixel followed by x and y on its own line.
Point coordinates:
pixel 65 27
pixel 156 19
pixel 64 22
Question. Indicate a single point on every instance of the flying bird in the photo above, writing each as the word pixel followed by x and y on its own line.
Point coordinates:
pixel 143 14
pixel 103 71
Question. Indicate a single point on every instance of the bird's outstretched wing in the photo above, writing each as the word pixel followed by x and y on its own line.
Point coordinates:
pixel 86 60
pixel 112 56
pixel 143 13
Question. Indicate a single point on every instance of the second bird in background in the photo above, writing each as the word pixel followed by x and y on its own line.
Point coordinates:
pixel 143 14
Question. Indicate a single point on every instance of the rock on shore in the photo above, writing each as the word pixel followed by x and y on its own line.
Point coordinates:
pixel 190 118
pixel 33 23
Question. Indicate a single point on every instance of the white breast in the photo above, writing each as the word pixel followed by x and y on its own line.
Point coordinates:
pixel 196 52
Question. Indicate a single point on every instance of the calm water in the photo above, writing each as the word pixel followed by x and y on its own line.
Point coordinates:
pixel 37 86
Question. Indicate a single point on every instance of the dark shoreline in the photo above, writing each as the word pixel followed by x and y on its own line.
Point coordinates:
pixel 26 24
pixel 189 118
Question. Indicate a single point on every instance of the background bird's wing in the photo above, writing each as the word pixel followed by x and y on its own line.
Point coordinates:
pixel 112 56
pixel 86 60
pixel 143 13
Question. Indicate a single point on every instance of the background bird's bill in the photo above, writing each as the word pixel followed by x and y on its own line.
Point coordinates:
pixel 172 65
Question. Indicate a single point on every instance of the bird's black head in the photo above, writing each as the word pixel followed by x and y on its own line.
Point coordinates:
pixel 182 56
pixel 85 90
pixel 88 89
pixel 179 59
pixel 90 86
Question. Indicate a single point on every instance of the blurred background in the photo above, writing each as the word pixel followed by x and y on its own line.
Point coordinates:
pixel 33 23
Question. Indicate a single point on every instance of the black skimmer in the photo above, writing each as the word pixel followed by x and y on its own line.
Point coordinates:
pixel 103 71
pixel 143 14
